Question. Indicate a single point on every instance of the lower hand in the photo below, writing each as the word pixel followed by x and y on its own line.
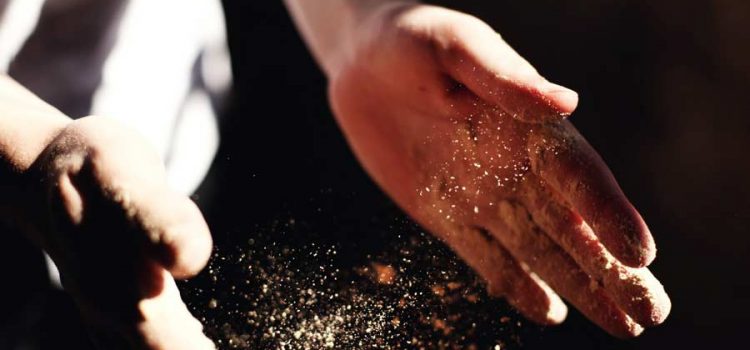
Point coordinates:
pixel 98 202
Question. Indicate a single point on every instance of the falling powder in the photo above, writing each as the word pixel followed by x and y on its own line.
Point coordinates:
pixel 413 295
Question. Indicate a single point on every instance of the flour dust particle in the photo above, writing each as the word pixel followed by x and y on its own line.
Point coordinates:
pixel 285 290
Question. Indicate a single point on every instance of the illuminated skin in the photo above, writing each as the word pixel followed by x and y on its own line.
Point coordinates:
pixel 94 196
pixel 471 141
pixel 429 99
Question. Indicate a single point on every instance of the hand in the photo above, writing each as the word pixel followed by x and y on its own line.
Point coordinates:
pixel 102 210
pixel 470 140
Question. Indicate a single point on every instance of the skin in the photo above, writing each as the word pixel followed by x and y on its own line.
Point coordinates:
pixel 454 125
pixel 93 194
pixel 471 141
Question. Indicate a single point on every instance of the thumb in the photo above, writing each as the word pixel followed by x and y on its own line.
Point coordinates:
pixel 175 229
pixel 164 323
pixel 168 324
pixel 477 57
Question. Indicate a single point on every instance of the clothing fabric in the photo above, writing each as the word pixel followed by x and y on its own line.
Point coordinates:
pixel 159 66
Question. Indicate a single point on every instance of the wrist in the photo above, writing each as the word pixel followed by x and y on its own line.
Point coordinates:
pixel 27 127
pixel 333 28
pixel 364 20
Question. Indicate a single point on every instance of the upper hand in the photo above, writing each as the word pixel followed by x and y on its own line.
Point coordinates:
pixel 470 140
pixel 101 208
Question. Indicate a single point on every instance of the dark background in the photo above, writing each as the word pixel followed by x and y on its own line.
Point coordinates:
pixel 663 88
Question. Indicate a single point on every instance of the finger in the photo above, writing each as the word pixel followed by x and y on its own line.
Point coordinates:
pixel 564 160
pixel 176 235
pixel 163 322
pixel 636 291
pixel 528 243
pixel 476 56
pixel 505 277
pixel 131 176
pixel 167 323
pixel 175 229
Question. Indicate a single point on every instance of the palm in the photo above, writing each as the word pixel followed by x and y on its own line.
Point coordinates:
pixel 517 200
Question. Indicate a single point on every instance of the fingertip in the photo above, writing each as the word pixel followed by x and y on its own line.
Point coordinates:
pixel 562 99
pixel 166 322
pixel 656 304
pixel 647 252
pixel 557 312
pixel 186 245
pixel 662 310
pixel 635 247
pixel 550 314
pixel 631 330
pixel 502 78
pixel 540 102
pixel 536 301
pixel 621 326
pixel 193 250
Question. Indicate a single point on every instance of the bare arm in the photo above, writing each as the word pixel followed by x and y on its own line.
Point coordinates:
pixel 327 25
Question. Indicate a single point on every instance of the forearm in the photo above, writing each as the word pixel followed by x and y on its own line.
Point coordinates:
pixel 326 25
pixel 27 125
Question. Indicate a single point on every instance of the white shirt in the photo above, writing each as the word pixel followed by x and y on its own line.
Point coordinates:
pixel 159 66
pixel 155 65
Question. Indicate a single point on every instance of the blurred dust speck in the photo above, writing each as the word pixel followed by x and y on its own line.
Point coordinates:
pixel 288 289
